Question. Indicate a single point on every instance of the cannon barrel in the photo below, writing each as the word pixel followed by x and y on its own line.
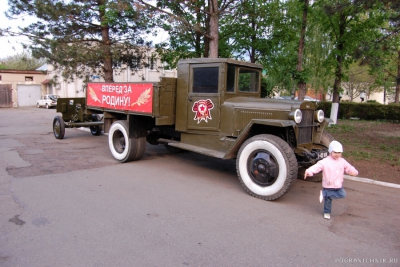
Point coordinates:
pixel 83 124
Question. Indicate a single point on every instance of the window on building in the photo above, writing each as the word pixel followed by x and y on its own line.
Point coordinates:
pixel 135 62
pixel 28 78
pixel 152 62
pixel 117 64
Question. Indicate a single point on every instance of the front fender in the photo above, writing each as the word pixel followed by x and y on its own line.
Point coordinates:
pixel 244 135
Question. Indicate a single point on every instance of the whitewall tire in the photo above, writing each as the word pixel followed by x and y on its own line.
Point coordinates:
pixel 122 147
pixel 266 166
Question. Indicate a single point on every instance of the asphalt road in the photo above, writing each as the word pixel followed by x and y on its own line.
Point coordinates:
pixel 69 203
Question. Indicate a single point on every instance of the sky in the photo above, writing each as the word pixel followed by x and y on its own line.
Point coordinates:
pixel 10 46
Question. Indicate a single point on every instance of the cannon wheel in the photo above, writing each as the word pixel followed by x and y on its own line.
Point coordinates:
pixel 95 130
pixel 58 127
pixel 266 166
pixel 122 147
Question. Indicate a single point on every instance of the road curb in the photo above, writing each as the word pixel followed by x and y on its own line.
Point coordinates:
pixel 370 181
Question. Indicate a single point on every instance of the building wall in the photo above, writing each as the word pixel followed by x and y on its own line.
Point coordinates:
pixel 16 77
pixel 377 96
pixel 77 87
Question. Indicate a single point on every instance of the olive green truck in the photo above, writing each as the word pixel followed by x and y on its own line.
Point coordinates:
pixel 213 107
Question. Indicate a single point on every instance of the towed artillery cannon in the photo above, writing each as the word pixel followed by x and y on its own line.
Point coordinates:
pixel 75 115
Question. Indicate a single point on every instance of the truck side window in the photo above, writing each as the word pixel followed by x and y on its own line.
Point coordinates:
pixel 205 80
pixel 230 79
pixel 248 80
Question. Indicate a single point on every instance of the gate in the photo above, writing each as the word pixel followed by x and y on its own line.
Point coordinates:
pixel 5 96
pixel 28 95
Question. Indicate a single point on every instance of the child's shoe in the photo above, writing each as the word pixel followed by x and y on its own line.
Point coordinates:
pixel 327 216
pixel 321 197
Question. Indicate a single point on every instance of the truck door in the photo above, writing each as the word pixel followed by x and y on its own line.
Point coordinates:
pixel 204 98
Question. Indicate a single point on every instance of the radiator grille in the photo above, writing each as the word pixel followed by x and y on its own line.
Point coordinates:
pixel 306 127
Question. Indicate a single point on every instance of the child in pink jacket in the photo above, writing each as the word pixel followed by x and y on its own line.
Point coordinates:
pixel 333 167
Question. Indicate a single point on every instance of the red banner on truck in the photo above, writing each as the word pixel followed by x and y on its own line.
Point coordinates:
pixel 121 96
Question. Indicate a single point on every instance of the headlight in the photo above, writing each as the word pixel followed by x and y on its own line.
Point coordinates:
pixel 296 115
pixel 319 115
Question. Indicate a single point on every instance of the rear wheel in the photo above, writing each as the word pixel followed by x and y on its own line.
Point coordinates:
pixel 266 166
pixel 122 147
pixel 37 104
pixel 47 106
pixel 58 127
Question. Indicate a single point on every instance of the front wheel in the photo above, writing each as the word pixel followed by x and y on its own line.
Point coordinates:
pixel 266 166
pixel 122 147
pixel 58 127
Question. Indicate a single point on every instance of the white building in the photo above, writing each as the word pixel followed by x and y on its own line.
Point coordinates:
pixel 151 72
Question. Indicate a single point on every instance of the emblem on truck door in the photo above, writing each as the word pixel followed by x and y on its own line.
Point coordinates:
pixel 202 108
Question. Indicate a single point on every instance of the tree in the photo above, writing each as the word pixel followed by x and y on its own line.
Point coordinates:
pixel 244 32
pixel 358 80
pixel 278 52
pixel 83 36
pixel 383 55
pixel 193 26
pixel 349 24
pixel 21 61
pixel 301 83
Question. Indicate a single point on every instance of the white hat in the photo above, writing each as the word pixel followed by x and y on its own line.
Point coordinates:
pixel 335 146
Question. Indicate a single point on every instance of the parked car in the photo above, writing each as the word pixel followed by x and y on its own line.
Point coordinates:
pixel 47 101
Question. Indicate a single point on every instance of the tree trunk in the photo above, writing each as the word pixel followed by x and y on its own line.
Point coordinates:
pixel 301 84
pixel 253 37
pixel 338 71
pixel 206 39
pixel 396 98
pixel 106 45
pixel 198 34
pixel 214 21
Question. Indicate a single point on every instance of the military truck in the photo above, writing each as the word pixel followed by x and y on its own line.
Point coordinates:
pixel 213 107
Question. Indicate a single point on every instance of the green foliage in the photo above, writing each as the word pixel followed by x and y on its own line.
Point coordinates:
pixel 266 91
pixel 364 111
pixel 188 25
pixel 245 30
pixel 81 37
pixel 103 36
pixel 21 61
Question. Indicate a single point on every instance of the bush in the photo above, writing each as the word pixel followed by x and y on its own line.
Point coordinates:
pixel 364 111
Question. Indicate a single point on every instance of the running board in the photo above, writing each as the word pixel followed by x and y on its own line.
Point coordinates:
pixel 197 149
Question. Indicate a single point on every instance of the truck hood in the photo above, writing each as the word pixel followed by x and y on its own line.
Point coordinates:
pixel 263 103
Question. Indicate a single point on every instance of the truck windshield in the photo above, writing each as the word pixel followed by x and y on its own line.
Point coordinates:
pixel 248 80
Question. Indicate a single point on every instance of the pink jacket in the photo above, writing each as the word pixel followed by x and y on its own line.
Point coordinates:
pixel 332 171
